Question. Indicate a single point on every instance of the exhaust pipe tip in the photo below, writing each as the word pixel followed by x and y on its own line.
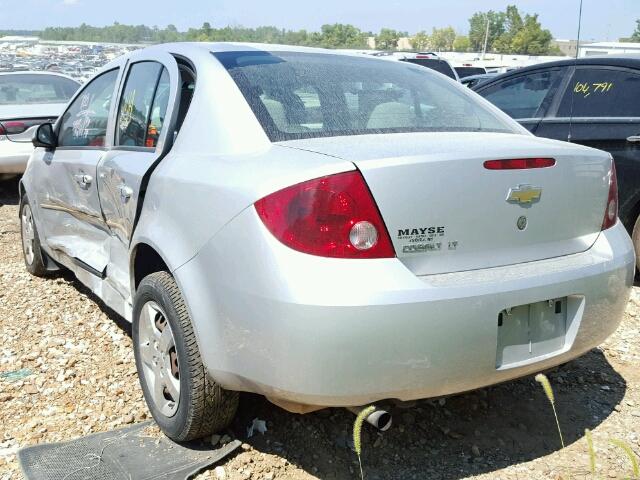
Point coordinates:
pixel 381 419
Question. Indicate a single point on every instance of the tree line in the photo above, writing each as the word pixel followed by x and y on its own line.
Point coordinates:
pixel 508 32
pixel 635 36
pixel 329 36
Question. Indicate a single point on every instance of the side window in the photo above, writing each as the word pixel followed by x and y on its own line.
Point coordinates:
pixel 187 89
pixel 143 105
pixel 522 97
pixel 158 110
pixel 84 124
pixel 599 92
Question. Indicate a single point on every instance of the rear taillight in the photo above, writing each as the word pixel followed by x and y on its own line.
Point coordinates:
pixel 611 210
pixel 519 163
pixel 12 128
pixel 332 216
pixel 15 127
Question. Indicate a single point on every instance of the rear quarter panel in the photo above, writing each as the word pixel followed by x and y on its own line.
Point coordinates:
pixel 191 197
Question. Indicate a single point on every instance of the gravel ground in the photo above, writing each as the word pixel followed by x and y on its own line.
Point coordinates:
pixel 80 378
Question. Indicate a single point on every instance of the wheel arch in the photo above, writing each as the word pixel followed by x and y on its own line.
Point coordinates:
pixel 21 190
pixel 145 259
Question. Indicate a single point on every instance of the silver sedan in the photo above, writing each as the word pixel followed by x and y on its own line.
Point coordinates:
pixel 320 228
pixel 28 99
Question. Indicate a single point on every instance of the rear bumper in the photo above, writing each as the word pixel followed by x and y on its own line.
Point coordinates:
pixel 337 333
pixel 13 164
pixel 14 156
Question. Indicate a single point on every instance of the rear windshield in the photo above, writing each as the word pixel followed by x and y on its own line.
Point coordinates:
pixel 304 95
pixel 439 66
pixel 23 89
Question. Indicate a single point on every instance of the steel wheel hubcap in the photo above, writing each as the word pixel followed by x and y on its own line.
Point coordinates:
pixel 159 358
pixel 28 235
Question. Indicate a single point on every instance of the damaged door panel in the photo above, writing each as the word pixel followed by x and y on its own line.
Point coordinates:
pixel 69 206
pixel 144 117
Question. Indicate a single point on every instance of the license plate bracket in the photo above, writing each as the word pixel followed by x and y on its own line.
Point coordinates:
pixel 527 332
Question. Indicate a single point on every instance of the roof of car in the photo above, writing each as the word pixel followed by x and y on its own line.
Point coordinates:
pixel 625 60
pixel 37 72
pixel 237 47
pixel 630 60
pixel 187 48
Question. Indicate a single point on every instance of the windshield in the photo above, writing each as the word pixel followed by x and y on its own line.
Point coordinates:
pixel 25 89
pixel 303 95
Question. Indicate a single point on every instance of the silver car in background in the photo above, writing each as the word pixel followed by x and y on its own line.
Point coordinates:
pixel 322 229
pixel 28 99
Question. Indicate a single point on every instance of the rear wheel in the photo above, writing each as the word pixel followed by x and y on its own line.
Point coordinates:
pixel 183 400
pixel 31 250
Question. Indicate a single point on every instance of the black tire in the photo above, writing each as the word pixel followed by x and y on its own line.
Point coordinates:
pixel 635 236
pixel 203 407
pixel 35 262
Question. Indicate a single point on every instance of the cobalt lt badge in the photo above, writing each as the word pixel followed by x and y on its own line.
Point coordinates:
pixel 521 222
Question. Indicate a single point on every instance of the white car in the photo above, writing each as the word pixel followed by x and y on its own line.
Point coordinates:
pixel 28 99
pixel 322 229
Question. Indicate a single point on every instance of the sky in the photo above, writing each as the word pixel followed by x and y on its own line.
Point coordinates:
pixel 602 19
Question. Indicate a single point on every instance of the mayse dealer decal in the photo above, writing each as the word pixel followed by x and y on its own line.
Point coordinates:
pixel 424 239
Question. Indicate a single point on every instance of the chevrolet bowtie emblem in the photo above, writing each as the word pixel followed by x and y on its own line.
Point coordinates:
pixel 524 195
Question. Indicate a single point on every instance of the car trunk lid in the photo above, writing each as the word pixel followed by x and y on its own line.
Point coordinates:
pixel 446 212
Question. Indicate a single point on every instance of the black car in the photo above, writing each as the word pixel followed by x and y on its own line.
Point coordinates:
pixel 594 101
pixel 477 80
pixel 434 63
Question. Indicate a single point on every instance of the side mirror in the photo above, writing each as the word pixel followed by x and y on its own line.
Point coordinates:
pixel 45 136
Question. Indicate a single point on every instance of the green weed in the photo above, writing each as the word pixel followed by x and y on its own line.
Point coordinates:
pixel 542 379
pixel 357 429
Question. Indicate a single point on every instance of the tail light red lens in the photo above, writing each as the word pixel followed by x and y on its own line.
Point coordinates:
pixel 332 216
pixel 519 163
pixel 611 210
pixel 12 128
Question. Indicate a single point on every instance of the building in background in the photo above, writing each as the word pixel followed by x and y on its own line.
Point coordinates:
pixel 568 48
pixel 608 48
pixel 404 43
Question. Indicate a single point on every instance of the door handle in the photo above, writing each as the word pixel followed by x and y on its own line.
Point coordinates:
pixel 633 138
pixel 83 180
pixel 125 192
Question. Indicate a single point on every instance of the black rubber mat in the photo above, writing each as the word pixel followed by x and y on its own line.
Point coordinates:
pixel 123 454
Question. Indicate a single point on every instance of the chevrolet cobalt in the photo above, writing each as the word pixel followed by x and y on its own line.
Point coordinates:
pixel 320 228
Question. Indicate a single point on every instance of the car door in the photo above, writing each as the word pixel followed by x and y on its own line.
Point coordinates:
pixel 67 200
pixel 143 132
pixel 599 108
pixel 525 97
